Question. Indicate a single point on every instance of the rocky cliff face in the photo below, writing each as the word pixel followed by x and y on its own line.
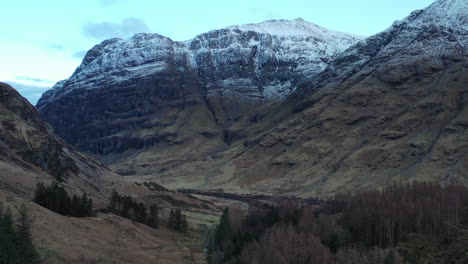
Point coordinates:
pixel 135 93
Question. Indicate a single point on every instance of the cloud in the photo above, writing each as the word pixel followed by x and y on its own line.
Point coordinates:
pixel 37 81
pixel 30 92
pixel 111 2
pixel 105 30
pixel 56 46
pixel 79 54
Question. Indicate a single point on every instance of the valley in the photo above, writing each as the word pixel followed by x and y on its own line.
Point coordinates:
pixel 273 142
pixel 198 114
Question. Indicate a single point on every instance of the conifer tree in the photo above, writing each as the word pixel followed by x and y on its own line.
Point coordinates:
pixel 223 235
pixel 3 234
pixel 40 194
pixel 171 220
pixel 153 220
pixel 184 224
pixel 84 205
pixel 75 206
pixel 24 245
pixel 8 251
pixel 178 220
pixel 114 204
pixel 224 230
pixel 89 207
pixel 140 213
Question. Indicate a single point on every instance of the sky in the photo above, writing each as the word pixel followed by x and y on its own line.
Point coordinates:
pixel 42 42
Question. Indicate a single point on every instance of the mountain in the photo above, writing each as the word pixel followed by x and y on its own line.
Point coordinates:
pixel 150 92
pixel 392 107
pixel 27 146
pixel 30 153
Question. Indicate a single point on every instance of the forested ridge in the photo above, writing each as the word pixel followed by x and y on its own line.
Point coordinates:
pixel 402 223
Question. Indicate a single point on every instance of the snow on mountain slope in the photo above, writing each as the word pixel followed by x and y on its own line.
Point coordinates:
pixel 448 13
pixel 267 59
pixel 441 29
pixel 300 27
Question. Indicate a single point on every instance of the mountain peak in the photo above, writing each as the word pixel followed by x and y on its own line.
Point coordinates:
pixel 288 27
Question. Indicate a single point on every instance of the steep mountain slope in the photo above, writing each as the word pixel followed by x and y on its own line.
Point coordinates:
pixel 27 145
pixel 179 100
pixel 391 108
pixel 30 153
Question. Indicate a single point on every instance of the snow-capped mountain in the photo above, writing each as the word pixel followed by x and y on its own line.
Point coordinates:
pixel 256 61
pixel 228 71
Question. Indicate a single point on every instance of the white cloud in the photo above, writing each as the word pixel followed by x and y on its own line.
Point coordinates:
pixel 111 2
pixel 105 30
pixel 30 92
pixel 34 81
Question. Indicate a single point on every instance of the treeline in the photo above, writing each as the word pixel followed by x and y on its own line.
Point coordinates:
pixel 56 198
pixel 177 221
pixel 126 206
pixel 16 246
pixel 383 218
pixel 411 223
